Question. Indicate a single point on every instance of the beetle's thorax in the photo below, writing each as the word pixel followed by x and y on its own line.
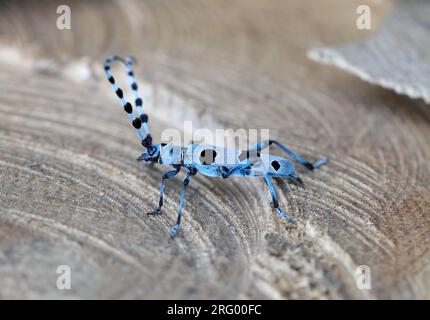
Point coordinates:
pixel 171 154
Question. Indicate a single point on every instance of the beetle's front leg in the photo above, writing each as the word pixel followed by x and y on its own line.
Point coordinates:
pixel 191 172
pixel 167 175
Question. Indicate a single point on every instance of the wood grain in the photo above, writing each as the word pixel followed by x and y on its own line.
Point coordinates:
pixel 72 192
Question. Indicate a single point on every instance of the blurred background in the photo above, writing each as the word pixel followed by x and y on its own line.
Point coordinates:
pixel 72 194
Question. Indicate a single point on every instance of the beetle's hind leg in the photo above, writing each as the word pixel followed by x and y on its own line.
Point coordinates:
pixel 167 175
pixel 281 213
pixel 264 144
pixel 295 156
pixel 320 162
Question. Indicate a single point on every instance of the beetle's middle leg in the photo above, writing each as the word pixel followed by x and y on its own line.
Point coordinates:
pixel 281 213
pixel 167 175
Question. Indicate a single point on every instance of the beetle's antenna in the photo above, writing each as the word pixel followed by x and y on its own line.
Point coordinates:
pixel 140 123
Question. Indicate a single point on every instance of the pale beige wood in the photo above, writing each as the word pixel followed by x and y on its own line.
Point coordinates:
pixel 72 193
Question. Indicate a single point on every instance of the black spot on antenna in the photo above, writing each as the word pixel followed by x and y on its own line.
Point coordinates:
pixel 137 123
pixel 134 86
pixel 119 93
pixel 128 108
pixel 138 102
pixel 111 79
pixel 144 117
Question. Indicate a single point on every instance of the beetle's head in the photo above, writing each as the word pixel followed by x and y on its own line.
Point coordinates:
pixel 152 154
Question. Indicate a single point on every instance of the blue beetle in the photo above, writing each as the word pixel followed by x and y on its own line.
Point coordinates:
pixel 208 160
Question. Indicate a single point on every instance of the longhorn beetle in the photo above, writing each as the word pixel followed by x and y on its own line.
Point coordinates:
pixel 205 159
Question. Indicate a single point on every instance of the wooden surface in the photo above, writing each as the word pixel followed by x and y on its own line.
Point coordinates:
pixel 72 193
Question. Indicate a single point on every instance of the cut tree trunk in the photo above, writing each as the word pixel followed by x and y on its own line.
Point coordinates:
pixel 72 194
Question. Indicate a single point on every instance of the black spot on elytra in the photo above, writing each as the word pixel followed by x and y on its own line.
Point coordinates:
pixel 207 156
pixel 276 165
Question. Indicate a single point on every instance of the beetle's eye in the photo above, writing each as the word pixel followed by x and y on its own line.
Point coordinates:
pixel 207 156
